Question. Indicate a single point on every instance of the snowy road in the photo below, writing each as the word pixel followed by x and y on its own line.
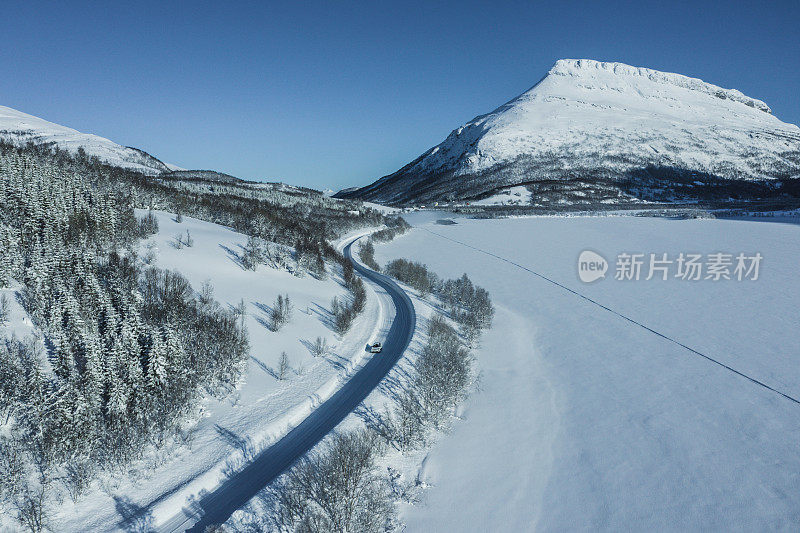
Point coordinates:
pixel 215 507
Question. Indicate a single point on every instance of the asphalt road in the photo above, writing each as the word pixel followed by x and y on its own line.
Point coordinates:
pixel 217 506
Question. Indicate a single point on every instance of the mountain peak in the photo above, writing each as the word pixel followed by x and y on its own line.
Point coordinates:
pixel 602 69
pixel 588 120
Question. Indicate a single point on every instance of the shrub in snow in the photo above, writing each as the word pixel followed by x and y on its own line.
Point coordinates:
pixel 283 366
pixel 366 253
pixel 281 312
pixel 336 489
pixel 319 347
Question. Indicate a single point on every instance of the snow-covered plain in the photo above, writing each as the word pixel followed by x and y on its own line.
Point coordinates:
pixel 262 408
pixel 586 421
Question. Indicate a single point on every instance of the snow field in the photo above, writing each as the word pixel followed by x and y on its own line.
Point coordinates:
pixel 586 421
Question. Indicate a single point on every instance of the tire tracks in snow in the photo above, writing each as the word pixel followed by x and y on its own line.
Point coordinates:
pixel 620 315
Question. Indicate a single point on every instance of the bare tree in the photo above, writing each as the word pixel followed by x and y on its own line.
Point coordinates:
pixel 338 489
pixel 206 296
pixel 283 366
pixel 32 506
pixel 319 347
pixel 281 312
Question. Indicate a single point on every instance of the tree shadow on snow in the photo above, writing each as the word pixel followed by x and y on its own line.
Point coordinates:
pixel 324 316
pixel 135 518
pixel 265 320
pixel 234 440
pixel 233 256
pixel 264 367
pixel 337 361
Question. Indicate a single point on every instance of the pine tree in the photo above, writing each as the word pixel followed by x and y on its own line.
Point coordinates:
pixel 157 363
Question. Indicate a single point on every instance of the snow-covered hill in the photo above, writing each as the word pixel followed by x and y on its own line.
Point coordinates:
pixel 20 128
pixel 601 122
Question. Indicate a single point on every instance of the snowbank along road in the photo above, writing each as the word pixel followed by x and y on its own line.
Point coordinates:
pixel 236 491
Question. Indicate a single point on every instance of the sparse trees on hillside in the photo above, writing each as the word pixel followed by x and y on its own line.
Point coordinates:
pixel 5 309
pixel 252 254
pixel 281 312
pixel 148 225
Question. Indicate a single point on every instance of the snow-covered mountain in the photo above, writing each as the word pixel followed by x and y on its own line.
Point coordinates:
pixel 20 128
pixel 600 125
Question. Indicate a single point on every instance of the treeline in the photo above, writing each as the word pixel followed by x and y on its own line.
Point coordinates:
pixel 440 380
pixel 395 225
pixel 127 350
pixel 274 212
pixel 469 305
pixel 344 313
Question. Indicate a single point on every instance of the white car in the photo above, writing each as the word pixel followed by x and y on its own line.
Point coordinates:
pixel 375 347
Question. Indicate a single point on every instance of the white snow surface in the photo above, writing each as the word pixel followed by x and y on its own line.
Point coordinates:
pixel 586 421
pixel 20 128
pixel 262 409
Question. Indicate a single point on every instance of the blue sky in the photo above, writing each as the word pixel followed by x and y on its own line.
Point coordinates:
pixel 336 94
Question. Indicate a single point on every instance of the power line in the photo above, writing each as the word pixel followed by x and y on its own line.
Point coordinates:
pixel 632 321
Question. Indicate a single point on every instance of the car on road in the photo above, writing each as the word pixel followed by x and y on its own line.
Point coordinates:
pixel 375 347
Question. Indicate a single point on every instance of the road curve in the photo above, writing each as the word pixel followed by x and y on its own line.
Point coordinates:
pixel 217 506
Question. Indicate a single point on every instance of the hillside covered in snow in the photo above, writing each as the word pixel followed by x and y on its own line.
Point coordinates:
pixel 20 128
pixel 606 132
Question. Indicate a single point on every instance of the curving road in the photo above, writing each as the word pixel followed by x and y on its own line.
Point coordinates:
pixel 215 507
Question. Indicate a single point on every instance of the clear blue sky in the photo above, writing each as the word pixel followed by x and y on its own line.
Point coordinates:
pixel 333 94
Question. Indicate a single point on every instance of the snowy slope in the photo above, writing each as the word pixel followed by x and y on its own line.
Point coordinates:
pixel 20 128
pixel 262 408
pixel 588 422
pixel 591 119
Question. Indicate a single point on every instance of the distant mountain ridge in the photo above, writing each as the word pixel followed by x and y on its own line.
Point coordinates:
pixel 20 128
pixel 605 132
